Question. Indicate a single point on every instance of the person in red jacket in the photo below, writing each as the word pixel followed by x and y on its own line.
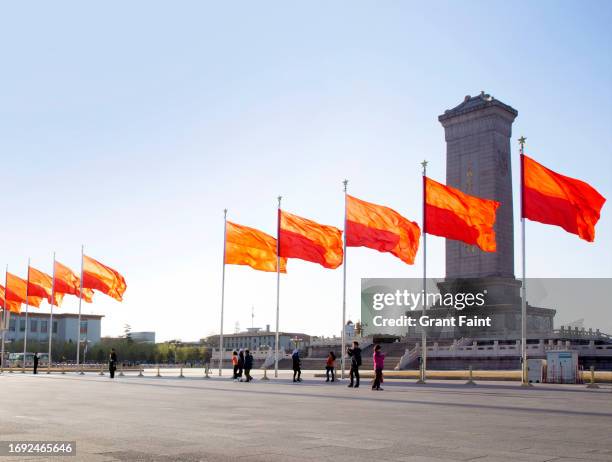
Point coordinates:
pixel 379 363
pixel 330 366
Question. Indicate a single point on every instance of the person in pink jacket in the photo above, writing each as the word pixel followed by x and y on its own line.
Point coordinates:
pixel 379 363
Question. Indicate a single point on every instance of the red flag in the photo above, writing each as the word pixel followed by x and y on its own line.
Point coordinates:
pixel 555 199
pixel 40 285
pixel 103 278
pixel 380 228
pixel 66 282
pixel 15 288
pixel 13 307
pixel 251 247
pixel 307 240
pixel 455 215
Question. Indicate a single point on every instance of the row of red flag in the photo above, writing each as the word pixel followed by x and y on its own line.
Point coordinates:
pixel 547 197
pixel 39 285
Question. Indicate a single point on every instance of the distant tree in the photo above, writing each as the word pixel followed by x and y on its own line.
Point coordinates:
pixel 127 330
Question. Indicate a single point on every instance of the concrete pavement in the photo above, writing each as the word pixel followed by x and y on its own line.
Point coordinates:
pixel 195 419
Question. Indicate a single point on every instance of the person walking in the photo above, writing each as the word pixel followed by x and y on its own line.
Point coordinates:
pixel 379 362
pixel 297 370
pixel 248 365
pixel 355 355
pixel 330 366
pixel 235 364
pixel 240 364
pixel 112 363
pixel 35 362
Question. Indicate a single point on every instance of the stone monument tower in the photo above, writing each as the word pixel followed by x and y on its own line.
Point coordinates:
pixel 478 133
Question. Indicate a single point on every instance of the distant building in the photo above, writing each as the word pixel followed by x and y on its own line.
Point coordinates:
pixel 256 338
pixel 64 327
pixel 143 337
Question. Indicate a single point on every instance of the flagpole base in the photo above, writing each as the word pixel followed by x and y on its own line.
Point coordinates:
pixel 421 382
pixel 526 385
pixel 265 376
pixel 471 383
pixel 593 386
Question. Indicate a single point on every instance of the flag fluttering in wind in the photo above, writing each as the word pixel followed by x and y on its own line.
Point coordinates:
pixel 13 307
pixel 555 199
pixel 88 295
pixel 103 278
pixel 380 228
pixel 15 288
pixel 40 285
pixel 456 215
pixel 307 240
pixel 251 247
pixel 66 282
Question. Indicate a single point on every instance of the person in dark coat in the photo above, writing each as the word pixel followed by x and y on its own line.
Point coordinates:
pixel 297 370
pixel 355 355
pixel 240 364
pixel 112 363
pixel 35 359
pixel 248 365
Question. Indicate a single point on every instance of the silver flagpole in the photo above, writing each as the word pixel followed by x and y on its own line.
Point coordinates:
pixel 78 355
pixel 6 316
pixel 423 368
pixel 278 264
pixel 25 333
pixel 524 378
pixel 50 326
pixel 222 292
pixel 343 334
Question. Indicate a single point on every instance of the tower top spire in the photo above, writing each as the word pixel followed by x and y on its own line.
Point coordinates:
pixel 475 103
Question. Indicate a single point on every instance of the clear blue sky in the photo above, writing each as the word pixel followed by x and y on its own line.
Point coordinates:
pixel 129 126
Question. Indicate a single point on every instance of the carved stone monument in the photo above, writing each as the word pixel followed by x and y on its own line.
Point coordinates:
pixel 478 134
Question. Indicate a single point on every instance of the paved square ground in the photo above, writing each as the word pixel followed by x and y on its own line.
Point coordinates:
pixel 193 419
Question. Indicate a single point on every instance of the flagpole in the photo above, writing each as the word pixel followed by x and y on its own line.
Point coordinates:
pixel 222 292
pixel 423 365
pixel 343 334
pixel 524 378
pixel 50 326
pixel 78 355
pixel 5 320
pixel 278 265
pixel 25 334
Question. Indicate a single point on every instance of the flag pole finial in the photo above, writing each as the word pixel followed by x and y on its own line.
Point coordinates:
pixel 424 165
pixel 521 141
pixel 279 201
pixel 345 183
pixel 225 212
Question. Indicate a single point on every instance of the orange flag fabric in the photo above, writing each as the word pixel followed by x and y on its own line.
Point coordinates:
pixel 40 285
pixel 380 228
pixel 251 247
pixel 34 301
pixel 456 215
pixel 88 295
pixel 66 282
pixel 13 307
pixel 15 288
pixel 555 199
pixel 307 240
pixel 103 278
